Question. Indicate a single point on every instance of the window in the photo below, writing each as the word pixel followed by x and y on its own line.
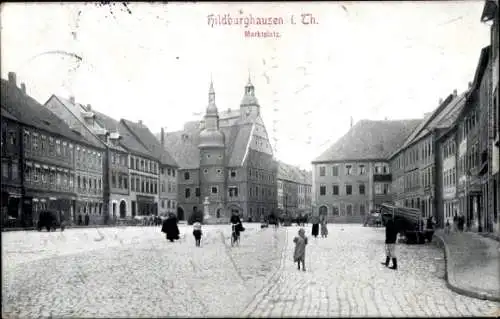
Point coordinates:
pixel 205 171
pixel 186 176
pixel 219 172
pixel 378 189
pixel 187 192
pixel 335 211
pixel 58 147
pixel 348 169
pixel 197 192
pixel 215 189
pixel 113 180
pixel 349 209
pixel 362 189
pixel 15 171
pixel 26 140
pixel 386 188
pixel 169 171
pixel 322 190
pixel 43 143
pixel 335 170
pixel 335 190
pixel 173 172
pixel 5 170
pixel 125 182
pixel 321 171
pixel 233 191
pixel 362 170
pixel 233 173
pixel 348 189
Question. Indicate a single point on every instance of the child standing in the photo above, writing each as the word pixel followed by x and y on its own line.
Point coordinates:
pixel 324 229
pixel 197 233
pixel 299 255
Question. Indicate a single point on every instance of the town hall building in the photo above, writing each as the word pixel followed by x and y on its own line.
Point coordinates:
pixel 226 162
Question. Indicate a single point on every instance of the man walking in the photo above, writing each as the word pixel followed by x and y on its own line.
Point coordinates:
pixel 391 234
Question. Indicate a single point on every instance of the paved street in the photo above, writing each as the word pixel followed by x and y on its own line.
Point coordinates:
pixel 134 271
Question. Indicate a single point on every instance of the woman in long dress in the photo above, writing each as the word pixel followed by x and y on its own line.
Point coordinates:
pixel 315 227
pixel 170 228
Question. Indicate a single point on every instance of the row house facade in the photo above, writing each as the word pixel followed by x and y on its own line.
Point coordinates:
pixel 353 176
pixel 164 167
pixel 490 15
pixel 144 174
pixel 293 190
pixel 415 165
pixel 115 160
pixel 11 167
pixel 472 150
pixel 305 193
pixel 226 162
pixel 61 170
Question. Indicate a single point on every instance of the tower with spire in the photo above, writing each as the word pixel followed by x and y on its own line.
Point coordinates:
pixel 249 105
pixel 212 156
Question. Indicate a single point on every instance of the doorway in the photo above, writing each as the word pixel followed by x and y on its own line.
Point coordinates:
pixel 123 209
pixel 180 213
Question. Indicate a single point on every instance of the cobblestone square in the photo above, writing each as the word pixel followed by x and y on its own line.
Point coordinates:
pixel 135 272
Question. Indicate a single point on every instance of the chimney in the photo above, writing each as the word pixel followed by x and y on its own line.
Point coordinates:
pixel 13 78
pixel 140 122
pixel 440 101
pixel 455 92
pixel 89 107
pixel 23 88
pixel 470 85
pixel 351 121
pixel 162 137
pixel 72 99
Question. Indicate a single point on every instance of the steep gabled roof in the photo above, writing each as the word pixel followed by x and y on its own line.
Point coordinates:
pixel 369 140
pixel 32 113
pixel 183 145
pixel 128 140
pixel 76 110
pixel 148 140
pixel 6 114
pixel 294 174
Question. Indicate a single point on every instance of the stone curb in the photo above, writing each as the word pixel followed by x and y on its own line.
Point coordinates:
pixel 490 236
pixel 452 285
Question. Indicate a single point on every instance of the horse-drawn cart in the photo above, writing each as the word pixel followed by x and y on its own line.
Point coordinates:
pixel 409 222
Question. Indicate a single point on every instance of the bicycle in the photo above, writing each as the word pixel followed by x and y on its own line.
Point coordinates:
pixel 235 235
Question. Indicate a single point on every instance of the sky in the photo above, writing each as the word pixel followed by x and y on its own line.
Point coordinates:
pixel 365 60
